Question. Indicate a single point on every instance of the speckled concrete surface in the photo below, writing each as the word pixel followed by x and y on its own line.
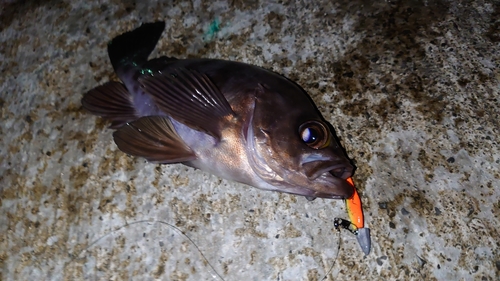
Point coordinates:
pixel 412 88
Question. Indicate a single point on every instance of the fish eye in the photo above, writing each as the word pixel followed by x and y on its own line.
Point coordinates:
pixel 315 134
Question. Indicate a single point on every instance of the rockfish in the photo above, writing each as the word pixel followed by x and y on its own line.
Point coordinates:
pixel 235 120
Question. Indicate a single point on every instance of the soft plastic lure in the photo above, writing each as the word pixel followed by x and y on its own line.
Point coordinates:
pixel 356 223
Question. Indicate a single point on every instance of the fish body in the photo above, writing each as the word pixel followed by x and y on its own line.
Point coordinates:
pixel 234 120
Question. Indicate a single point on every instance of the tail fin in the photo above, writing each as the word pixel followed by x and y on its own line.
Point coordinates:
pixel 127 53
pixel 133 48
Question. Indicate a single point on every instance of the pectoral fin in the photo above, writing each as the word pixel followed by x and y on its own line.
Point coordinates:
pixel 153 138
pixel 190 98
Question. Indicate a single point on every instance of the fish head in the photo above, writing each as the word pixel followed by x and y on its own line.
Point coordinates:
pixel 293 148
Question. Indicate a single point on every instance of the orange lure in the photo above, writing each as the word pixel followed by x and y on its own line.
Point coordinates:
pixel 355 212
pixel 354 207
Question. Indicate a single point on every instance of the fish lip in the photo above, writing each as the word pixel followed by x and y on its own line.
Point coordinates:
pixel 337 169
pixel 341 171
pixel 343 189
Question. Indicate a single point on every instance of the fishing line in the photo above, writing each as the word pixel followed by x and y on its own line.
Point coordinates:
pixel 151 222
pixel 195 245
pixel 336 257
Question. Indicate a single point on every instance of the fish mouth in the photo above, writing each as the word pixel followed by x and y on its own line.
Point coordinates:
pixel 333 175
pixel 341 171
pixel 315 169
pixel 336 182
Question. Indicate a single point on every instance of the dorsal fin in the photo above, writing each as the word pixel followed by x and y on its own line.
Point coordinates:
pixel 111 101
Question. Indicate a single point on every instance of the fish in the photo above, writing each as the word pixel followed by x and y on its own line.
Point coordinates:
pixel 238 121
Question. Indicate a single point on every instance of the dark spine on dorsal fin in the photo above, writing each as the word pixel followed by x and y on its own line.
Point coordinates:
pixel 111 101
pixel 133 48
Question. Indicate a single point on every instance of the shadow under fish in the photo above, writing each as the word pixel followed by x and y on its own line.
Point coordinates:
pixel 235 120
